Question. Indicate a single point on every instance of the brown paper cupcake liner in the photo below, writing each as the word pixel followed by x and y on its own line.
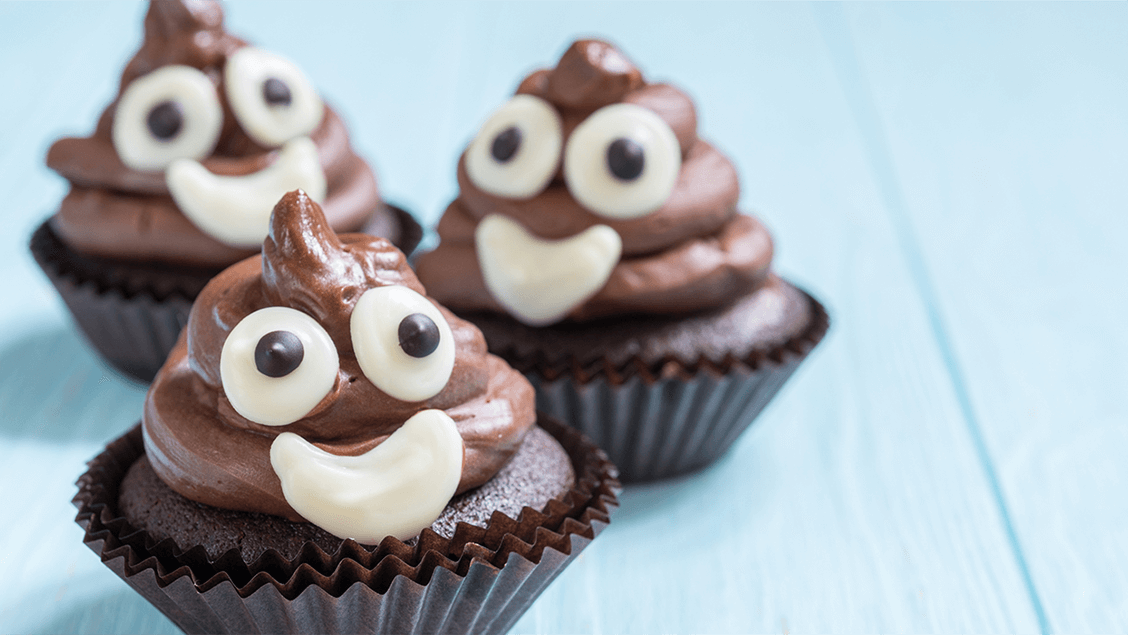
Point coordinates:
pixel 480 580
pixel 410 231
pixel 132 331
pixel 663 420
pixel 133 314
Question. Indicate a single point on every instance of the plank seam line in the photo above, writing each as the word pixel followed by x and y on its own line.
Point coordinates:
pixel 836 34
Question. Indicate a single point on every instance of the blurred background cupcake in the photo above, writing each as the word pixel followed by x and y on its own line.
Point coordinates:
pixel 597 243
pixel 179 177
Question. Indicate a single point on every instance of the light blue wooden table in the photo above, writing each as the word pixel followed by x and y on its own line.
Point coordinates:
pixel 952 180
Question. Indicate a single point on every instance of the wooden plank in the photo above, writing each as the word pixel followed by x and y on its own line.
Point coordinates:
pixel 857 503
pixel 1005 130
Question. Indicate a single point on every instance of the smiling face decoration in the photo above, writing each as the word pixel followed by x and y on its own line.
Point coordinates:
pixel 590 194
pixel 206 134
pixel 319 382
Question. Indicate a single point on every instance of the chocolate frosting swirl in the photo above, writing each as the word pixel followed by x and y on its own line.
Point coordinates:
pixel 696 252
pixel 204 450
pixel 114 211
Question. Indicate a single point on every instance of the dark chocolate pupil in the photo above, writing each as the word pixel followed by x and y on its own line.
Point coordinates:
pixel 165 120
pixel 506 144
pixel 625 159
pixel 418 335
pixel 278 353
pixel 276 92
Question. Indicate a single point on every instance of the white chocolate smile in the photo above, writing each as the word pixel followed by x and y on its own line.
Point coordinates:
pixel 395 489
pixel 236 209
pixel 540 281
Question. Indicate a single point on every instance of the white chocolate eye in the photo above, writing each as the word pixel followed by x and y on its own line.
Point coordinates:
pixel 172 113
pixel 402 342
pixel 272 98
pixel 517 151
pixel 276 365
pixel 622 161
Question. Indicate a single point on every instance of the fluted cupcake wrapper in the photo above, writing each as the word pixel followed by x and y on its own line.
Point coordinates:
pixel 410 231
pixel 131 322
pixel 681 420
pixel 133 332
pixel 481 580
pixel 486 600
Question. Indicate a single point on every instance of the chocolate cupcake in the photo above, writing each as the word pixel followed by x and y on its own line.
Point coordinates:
pixel 327 449
pixel 597 243
pixel 179 177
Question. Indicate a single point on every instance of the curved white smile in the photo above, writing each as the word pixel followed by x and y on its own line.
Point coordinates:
pixel 540 281
pixel 236 209
pixel 395 489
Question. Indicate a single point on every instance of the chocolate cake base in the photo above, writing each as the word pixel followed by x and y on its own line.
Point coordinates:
pixel 665 396
pixel 479 581
pixel 539 472
pixel 132 313
pixel 756 324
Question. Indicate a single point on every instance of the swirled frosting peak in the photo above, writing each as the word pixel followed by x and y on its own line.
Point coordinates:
pixel 318 381
pixel 590 194
pixel 204 136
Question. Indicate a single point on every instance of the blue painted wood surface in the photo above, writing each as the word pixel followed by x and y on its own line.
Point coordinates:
pixel 949 179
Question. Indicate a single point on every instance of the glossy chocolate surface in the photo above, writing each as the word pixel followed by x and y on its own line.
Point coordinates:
pixel 205 451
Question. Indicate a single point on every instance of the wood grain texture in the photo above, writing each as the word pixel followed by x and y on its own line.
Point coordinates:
pixel 950 459
pixel 1009 178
